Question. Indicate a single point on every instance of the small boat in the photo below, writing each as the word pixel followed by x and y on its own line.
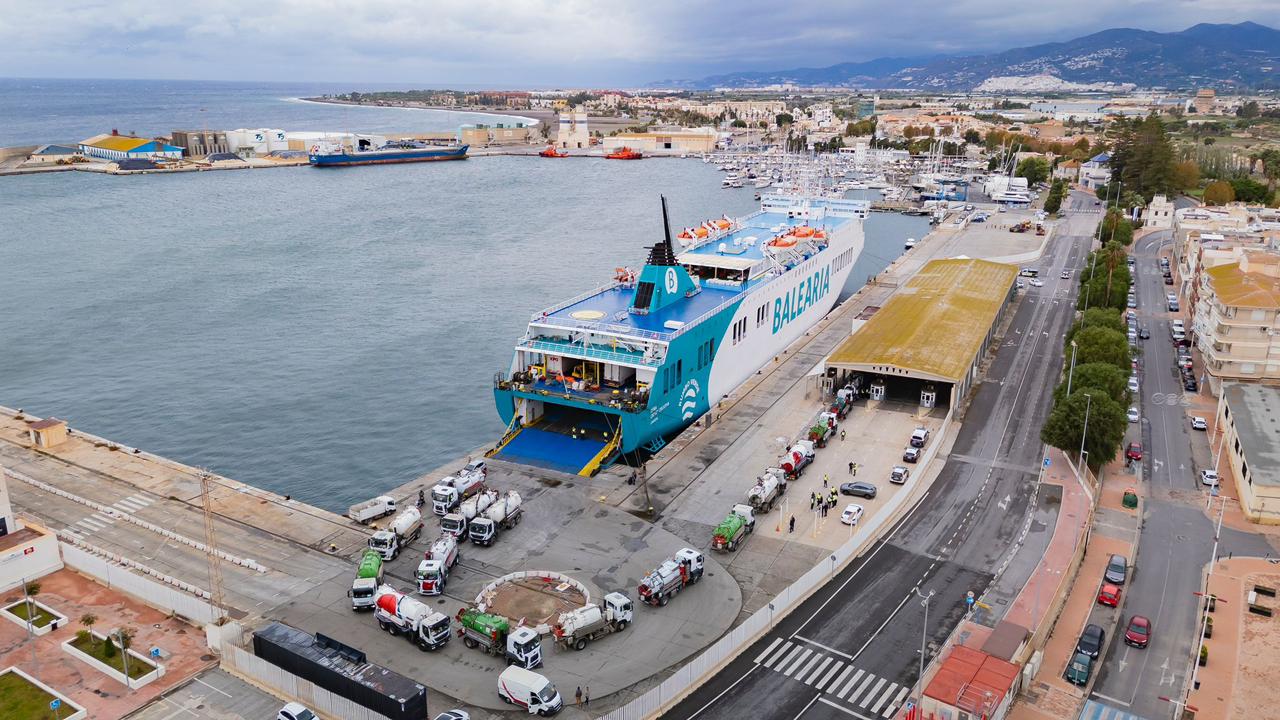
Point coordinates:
pixel 551 151
pixel 624 153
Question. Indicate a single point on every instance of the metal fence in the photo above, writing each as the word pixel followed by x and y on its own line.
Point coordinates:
pixel 693 673
pixel 117 572
pixel 279 681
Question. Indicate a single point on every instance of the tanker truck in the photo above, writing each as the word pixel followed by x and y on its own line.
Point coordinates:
pixel 450 491
pixel 404 529
pixel 503 514
pixel 670 577
pixel 368 578
pixel 456 522
pixel 493 634
pixel 433 571
pixel 797 458
pixel 399 614
pixel 823 428
pixel 734 529
pixel 768 489
pixel 576 627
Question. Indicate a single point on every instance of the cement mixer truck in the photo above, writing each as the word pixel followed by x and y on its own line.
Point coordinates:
pixel 493 634
pixel 399 614
pixel 450 491
pixel 457 522
pixel 734 529
pixel 794 461
pixel 670 577
pixel 433 572
pixel 769 487
pixel 503 514
pixel 575 628
pixel 368 578
pixel 404 529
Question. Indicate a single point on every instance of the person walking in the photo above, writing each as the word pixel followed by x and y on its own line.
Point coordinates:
pixel 577 696
pixel 850 467
pixel 841 434
pixel 825 479
pixel 586 696
pixel 855 469
pixel 791 525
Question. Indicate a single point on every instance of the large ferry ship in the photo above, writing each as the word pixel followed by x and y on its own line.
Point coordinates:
pixel 620 369
pixel 333 155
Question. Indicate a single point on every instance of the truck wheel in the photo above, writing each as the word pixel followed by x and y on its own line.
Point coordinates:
pixel 622 625
pixel 662 601
pixel 391 629
pixel 382 625
pixel 580 645
pixel 732 544
pixel 505 699
pixel 470 642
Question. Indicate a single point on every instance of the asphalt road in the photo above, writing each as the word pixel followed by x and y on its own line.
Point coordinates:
pixel 1177 537
pixel 852 648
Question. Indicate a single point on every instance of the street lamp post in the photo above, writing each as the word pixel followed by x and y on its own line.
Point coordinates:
pixel 1071 373
pixel 1088 400
pixel 924 600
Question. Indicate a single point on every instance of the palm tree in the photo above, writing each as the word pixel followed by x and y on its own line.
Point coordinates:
pixel 1112 254
pixel 32 590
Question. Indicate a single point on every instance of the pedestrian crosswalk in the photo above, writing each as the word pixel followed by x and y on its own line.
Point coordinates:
pixel 1095 710
pixel 100 520
pixel 874 696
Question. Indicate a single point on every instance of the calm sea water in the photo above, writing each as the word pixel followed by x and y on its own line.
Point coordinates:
pixel 323 333
pixel 33 112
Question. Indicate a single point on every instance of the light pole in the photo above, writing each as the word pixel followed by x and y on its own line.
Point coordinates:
pixel 124 657
pixel 924 600
pixel 1071 373
pixel 1088 400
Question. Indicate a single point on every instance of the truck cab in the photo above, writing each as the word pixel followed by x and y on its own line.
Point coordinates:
pixel 362 592
pixel 618 609
pixel 432 575
pixel 454 524
pixel 386 543
pixel 524 648
pixel 481 530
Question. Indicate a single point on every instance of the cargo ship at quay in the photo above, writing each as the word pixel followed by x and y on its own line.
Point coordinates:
pixel 618 370
pixel 404 151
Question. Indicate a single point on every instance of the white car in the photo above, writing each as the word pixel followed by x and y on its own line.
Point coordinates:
pixel 1133 379
pixel 295 711
pixel 852 514
pixel 1209 477
pixel 1133 415
pixel 454 715
pixel 1199 423
pixel 1037 282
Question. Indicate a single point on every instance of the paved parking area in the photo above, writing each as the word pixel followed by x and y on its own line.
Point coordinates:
pixel 213 695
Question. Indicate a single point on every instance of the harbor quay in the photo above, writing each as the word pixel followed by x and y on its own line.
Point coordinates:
pixel 282 560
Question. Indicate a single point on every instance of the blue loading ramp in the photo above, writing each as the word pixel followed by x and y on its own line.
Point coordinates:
pixel 551 450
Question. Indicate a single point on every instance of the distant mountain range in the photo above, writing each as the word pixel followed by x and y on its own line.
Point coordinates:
pixel 1244 55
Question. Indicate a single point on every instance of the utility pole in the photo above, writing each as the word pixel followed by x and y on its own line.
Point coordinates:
pixel 924 600
pixel 211 548
pixel 1071 373
pixel 1088 400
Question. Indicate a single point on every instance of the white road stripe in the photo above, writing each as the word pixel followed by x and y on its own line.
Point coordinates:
pixel 832 687
pixel 805 672
pixel 816 673
pixel 768 650
pixel 91 524
pixel 104 518
pixel 792 668
pixel 834 669
pixel 142 500
pixel 126 507
pixel 867 698
pixel 902 695
pixel 794 651
pixel 852 680
pixel 831 650
pixel 884 698
pixel 843 709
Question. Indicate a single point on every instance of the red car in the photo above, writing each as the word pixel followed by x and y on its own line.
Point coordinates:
pixel 1138 634
pixel 1109 595
pixel 1134 451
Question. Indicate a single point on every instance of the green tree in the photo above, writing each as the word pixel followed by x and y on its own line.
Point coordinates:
pixel 1065 425
pixel 1103 345
pixel 1250 191
pixel 1103 317
pixel 738 123
pixel 1117 227
pixel 1053 202
pixel 1270 159
pixel 783 119
pixel 972 136
pixel 1186 175
pixel 1219 193
pixel 1034 169
pixel 1249 110
pixel 1104 377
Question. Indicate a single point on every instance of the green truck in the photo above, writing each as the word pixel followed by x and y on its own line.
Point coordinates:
pixel 734 528
pixel 368 578
pixel 493 634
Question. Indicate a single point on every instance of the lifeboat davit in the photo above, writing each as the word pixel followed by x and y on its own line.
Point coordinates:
pixel 551 151
pixel 624 153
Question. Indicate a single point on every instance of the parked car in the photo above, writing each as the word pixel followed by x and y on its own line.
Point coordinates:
pixel 295 711
pixel 1131 315
pixel 1209 477
pixel 899 475
pixel 1168 279
pixel 1132 302
pixel 1133 415
pixel 1037 282
pixel 1199 423
pixel 858 489
pixel 1079 669
pixel 1109 595
pixel 1117 570
pixel 454 715
pixel 1138 633
pixel 852 514
pixel 919 437
pixel 1091 640
pixel 1134 451
pixel 1190 385
pixel 1144 334
pixel 1133 382
pixel 911 455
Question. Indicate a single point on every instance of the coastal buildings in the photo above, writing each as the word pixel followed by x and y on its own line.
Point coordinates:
pixel 1159 214
pixel 1250 440
pixel 572 131
pixel 1236 318
pixel 679 140
pixel 54 154
pixel 1203 101
pixel 125 147
pixel 199 143
pixel 249 143
pixel 1096 173
pixel 499 134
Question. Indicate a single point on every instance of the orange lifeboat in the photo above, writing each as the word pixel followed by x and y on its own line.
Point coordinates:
pixel 624 153
pixel 784 241
pixel 701 232
pixel 723 224
pixel 551 151
pixel 803 231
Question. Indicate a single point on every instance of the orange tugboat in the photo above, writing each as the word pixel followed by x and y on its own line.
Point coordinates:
pixel 551 151
pixel 624 153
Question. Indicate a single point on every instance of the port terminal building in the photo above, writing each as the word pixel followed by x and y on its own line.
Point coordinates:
pixel 678 141
pixel 926 343
pixel 127 147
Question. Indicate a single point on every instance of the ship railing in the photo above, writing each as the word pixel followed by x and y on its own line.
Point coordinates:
pixel 591 352
pixel 537 317
pixel 704 316
pixel 603 327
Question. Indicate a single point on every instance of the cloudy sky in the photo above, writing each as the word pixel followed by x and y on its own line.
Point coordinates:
pixel 540 42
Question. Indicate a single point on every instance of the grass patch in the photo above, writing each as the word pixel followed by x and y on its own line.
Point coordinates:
pixel 23 700
pixel 21 611
pixel 93 647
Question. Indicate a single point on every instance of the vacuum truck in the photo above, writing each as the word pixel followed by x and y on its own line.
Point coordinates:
pixel 457 522
pixel 493 634
pixel 797 458
pixel 368 578
pixel 768 489
pixel 433 571
pixel 399 614
pixel 580 625
pixel 450 491
pixel 503 514
pixel 671 576
pixel 734 529
pixel 404 529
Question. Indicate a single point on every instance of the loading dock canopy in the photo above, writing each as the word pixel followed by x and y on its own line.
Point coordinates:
pixel 934 326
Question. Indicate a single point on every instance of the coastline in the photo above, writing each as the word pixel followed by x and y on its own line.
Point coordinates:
pixel 403 106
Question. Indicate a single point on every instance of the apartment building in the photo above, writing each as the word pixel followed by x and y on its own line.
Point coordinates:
pixel 1235 319
pixel 1250 442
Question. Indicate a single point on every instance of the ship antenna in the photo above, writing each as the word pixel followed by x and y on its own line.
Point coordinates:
pixel 666 224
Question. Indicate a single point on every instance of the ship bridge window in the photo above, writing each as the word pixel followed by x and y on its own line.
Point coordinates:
pixel 644 295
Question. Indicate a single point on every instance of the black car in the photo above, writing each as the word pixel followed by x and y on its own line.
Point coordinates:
pixel 858 489
pixel 1168 279
pixel 1117 569
pixel 1191 385
pixel 1143 334
pixel 911 454
pixel 1091 640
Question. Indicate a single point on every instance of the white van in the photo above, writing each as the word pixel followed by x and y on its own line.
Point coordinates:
pixel 529 690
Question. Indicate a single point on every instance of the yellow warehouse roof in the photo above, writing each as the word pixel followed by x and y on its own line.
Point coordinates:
pixel 1241 289
pixel 122 143
pixel 935 324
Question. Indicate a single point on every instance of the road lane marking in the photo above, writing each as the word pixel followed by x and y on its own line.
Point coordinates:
pixel 806 706
pixel 834 669
pixel 879 683
pixel 825 662
pixel 832 687
pixel 768 650
pixel 722 693
pixel 897 702
pixel 844 709
pixel 813 661
pixel 213 688
pixel 824 647
pixel 792 667
pixel 794 651
pixel 852 681
pixel 884 698
pixel 1111 699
